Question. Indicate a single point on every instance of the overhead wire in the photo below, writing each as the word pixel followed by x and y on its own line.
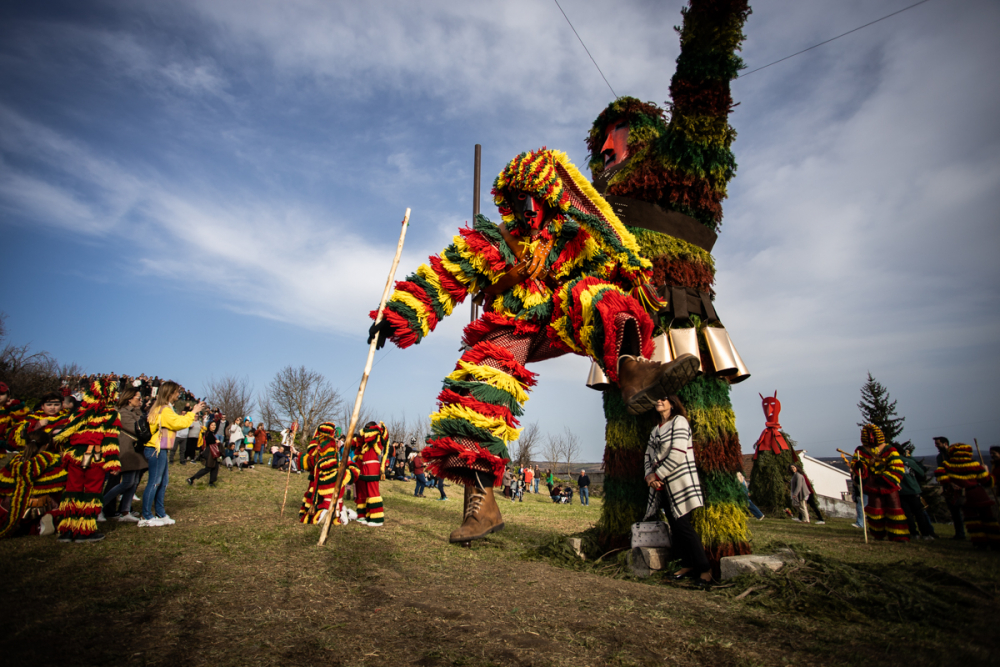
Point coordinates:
pixel 588 50
pixel 798 53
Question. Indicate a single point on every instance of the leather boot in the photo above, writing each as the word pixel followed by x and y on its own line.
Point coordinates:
pixel 644 382
pixel 482 515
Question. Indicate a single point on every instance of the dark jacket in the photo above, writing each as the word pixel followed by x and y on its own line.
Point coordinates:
pixel 914 477
pixel 583 481
pixel 206 455
pixel 127 454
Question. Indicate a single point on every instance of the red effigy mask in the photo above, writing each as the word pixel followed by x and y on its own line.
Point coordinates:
pixel 529 209
pixel 615 148
pixel 772 407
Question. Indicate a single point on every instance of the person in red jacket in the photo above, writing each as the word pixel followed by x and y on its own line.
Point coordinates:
pixel 418 473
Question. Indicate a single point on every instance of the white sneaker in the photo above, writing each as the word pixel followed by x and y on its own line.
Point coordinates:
pixel 166 520
pixel 100 517
pixel 151 523
pixel 136 498
pixel 322 516
pixel 128 518
pixel 821 523
pixel 796 519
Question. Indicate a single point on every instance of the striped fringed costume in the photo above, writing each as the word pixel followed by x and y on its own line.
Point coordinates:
pixel 881 471
pixel 33 487
pixel 371 459
pixel 589 287
pixel 681 163
pixel 962 476
pixel 10 417
pixel 321 459
pixel 24 422
pixel 90 453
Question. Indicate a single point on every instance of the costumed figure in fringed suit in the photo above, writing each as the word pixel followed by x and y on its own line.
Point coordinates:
pixel 666 180
pixel 90 453
pixel 964 480
pixel 561 274
pixel 49 417
pixel 30 487
pixel 881 470
pixel 772 457
pixel 370 458
pixel 12 411
pixel 321 458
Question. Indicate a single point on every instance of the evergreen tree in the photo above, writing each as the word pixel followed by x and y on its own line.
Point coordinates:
pixel 876 408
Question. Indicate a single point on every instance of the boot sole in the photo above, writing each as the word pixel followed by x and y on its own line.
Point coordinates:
pixel 469 538
pixel 645 400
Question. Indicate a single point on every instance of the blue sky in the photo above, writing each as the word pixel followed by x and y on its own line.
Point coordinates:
pixel 192 189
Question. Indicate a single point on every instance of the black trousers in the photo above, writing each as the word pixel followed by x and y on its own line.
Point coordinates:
pixel 916 516
pixel 814 506
pixel 201 473
pixel 684 541
pixel 958 520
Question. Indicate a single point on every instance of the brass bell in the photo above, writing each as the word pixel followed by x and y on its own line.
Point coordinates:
pixel 720 349
pixel 725 358
pixel 661 349
pixel 685 341
pixel 596 379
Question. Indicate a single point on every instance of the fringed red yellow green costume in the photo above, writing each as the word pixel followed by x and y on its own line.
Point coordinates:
pixel 881 471
pixel 593 287
pixel 30 483
pixel 321 458
pixel 90 452
pixel 371 457
pixel 24 422
pixel 11 414
pixel 964 477
pixel 682 167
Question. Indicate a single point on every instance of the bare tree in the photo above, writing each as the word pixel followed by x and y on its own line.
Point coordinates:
pixel 396 427
pixel 418 429
pixel 343 418
pixel 552 450
pixel 302 395
pixel 28 374
pixel 524 450
pixel 231 394
pixel 570 448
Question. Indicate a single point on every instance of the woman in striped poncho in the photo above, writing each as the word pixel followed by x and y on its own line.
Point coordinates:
pixel 674 485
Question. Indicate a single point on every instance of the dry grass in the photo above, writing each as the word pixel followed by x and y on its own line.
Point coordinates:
pixel 231 584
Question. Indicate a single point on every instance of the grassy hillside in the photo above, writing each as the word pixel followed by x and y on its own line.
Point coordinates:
pixel 232 584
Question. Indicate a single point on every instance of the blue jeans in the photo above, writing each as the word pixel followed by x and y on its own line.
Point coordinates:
pixel 536 485
pixel 584 495
pixel 125 488
pixel 421 484
pixel 860 509
pixel 754 509
pixel 156 487
pixel 258 457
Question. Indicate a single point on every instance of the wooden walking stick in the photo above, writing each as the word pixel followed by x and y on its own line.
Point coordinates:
pixel 979 451
pixel 288 478
pixel 342 466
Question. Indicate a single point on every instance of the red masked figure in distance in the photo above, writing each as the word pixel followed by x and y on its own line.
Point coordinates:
pixel 560 274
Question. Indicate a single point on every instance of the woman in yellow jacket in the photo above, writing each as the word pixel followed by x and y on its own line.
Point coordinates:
pixel 164 424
